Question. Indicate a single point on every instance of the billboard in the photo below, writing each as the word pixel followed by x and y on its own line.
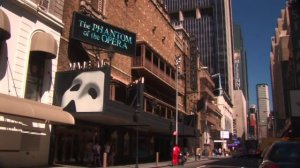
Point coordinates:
pixel 82 90
pixel 98 33
pixel 252 120
pixel 224 134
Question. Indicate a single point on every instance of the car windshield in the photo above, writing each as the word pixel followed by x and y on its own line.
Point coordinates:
pixel 285 152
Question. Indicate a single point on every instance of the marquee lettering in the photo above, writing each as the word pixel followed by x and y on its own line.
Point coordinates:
pixel 104 34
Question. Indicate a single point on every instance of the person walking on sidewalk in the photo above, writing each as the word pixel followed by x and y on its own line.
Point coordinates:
pixel 96 154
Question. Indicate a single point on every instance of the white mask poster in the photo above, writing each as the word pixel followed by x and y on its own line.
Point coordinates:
pixel 81 91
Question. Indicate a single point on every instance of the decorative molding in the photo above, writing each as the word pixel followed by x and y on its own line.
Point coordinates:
pixel 35 10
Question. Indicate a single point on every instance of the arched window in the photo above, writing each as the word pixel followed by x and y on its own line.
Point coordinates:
pixel 43 47
pixel 35 77
pixel 4 27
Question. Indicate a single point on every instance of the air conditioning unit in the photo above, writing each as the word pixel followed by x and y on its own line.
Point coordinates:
pixel 44 4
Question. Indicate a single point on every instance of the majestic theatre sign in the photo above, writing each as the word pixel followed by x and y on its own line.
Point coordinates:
pixel 98 33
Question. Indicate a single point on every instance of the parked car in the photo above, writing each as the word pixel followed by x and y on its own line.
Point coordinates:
pixel 283 154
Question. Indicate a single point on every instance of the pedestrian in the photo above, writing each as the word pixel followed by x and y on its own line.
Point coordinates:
pixel 198 153
pixel 108 152
pixel 220 151
pixel 96 154
pixel 89 152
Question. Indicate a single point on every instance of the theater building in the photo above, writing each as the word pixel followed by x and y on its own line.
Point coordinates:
pixel 29 40
pixel 117 77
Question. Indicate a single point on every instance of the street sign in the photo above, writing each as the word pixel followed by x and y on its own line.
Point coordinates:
pixel 98 33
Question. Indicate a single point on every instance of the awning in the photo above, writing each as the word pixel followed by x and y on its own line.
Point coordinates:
pixel 26 108
pixel 4 26
pixel 44 43
pixel 117 114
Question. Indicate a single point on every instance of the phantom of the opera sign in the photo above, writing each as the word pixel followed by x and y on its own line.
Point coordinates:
pixel 98 33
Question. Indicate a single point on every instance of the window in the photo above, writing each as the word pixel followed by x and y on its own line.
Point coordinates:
pixel 148 106
pixel 120 93
pixel 163 111
pixel 138 51
pixel 190 14
pixel 169 113
pixel 173 74
pixel 35 76
pixel 157 110
pixel 155 60
pixel 44 4
pixel 162 66
pixel 98 5
pixel 174 16
pixel 148 54
pixel 168 70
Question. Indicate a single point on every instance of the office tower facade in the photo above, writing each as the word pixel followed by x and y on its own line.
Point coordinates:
pixel 240 62
pixel 240 93
pixel 210 21
pixel 285 71
pixel 263 102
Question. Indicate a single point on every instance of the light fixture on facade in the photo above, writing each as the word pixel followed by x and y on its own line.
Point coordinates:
pixel 154 29
pixel 163 39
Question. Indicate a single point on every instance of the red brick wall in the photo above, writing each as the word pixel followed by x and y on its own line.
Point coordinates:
pixel 138 16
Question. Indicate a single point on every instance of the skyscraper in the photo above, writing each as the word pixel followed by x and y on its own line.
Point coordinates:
pixel 263 102
pixel 240 62
pixel 210 22
pixel 240 93
pixel 285 69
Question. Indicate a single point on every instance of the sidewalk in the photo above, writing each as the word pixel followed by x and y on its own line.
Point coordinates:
pixel 169 163
pixel 153 164
pixel 145 165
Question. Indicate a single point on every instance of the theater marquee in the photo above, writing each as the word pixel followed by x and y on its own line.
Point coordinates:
pixel 98 33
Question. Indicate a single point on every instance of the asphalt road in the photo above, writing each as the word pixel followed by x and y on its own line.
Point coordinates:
pixel 224 163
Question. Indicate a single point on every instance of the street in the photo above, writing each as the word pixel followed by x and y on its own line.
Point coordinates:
pixel 224 163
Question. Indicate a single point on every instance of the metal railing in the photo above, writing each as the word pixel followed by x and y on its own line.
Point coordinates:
pixel 156 71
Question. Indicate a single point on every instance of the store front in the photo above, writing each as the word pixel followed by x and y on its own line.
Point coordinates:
pixel 105 122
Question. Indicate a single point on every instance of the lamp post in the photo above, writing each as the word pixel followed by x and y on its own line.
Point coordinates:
pixel 137 137
pixel 219 83
pixel 177 63
pixel 139 84
pixel 206 129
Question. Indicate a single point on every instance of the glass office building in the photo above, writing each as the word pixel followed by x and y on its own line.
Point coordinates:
pixel 210 22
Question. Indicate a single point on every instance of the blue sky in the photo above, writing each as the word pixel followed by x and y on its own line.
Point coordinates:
pixel 258 19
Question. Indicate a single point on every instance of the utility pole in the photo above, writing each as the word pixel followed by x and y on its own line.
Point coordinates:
pixel 177 63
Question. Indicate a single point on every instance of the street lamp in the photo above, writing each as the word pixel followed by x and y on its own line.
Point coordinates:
pixel 137 136
pixel 219 83
pixel 139 84
pixel 177 63
pixel 203 106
